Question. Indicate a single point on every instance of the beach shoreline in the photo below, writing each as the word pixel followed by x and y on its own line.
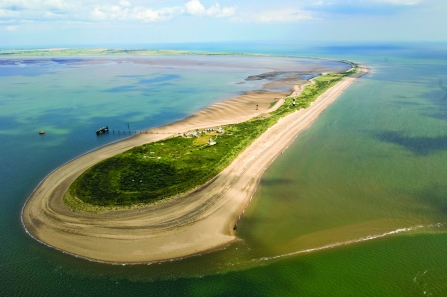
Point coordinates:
pixel 201 221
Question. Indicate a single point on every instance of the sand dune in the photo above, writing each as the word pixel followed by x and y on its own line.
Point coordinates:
pixel 177 227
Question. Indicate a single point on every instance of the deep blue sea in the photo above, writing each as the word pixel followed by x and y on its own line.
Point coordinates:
pixel 357 206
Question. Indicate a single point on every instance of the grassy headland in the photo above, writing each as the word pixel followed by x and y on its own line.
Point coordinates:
pixel 158 170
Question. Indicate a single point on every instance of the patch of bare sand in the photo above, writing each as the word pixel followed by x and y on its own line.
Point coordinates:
pixel 187 225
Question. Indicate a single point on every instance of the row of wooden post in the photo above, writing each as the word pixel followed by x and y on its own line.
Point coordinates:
pixel 137 132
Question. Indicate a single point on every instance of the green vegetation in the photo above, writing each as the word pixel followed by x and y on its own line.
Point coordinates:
pixel 273 103
pixel 154 171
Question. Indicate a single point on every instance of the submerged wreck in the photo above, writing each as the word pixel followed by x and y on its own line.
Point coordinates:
pixel 102 130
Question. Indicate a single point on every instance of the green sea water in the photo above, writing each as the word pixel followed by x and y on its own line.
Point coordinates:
pixel 356 206
pixel 342 181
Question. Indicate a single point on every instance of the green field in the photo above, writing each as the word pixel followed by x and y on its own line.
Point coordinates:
pixel 176 165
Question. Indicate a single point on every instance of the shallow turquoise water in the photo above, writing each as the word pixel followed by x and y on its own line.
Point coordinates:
pixel 378 153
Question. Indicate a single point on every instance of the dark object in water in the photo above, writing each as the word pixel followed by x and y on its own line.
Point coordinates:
pixel 42 132
pixel 102 130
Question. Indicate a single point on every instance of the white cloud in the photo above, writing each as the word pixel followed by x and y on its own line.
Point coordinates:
pixel 4 13
pixel 194 7
pixel 140 13
pixel 23 5
pixel 149 15
pixel 278 15
pixel 103 10
pixel 215 10
pixel 125 3
pixel 11 28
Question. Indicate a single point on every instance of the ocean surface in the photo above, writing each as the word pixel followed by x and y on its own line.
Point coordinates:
pixel 357 206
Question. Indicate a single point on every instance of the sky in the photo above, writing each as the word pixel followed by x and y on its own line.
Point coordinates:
pixel 133 22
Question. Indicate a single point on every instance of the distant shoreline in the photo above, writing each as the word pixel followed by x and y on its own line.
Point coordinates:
pixel 105 52
pixel 199 222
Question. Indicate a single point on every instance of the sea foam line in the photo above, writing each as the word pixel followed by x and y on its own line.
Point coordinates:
pixel 344 243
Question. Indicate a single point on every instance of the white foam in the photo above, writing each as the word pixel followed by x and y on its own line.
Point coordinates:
pixel 343 243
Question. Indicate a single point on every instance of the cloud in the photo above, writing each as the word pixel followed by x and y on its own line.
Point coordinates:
pixel 215 10
pixel 274 15
pixel 125 3
pixel 149 15
pixel 24 5
pixel 114 12
pixel 194 7
pixel 102 10
pixel 5 13
pixel 11 28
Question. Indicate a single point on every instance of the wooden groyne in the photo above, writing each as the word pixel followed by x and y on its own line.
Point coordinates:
pixel 134 132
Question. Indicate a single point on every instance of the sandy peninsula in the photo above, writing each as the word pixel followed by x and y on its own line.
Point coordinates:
pixel 197 222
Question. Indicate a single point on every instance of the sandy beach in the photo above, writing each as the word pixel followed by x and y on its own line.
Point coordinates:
pixel 194 223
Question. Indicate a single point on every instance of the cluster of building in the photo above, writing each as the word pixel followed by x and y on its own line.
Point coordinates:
pixel 197 132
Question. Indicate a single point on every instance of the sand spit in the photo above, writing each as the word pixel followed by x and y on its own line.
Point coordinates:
pixel 200 221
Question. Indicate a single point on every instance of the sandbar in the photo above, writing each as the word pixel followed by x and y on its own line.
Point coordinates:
pixel 199 221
